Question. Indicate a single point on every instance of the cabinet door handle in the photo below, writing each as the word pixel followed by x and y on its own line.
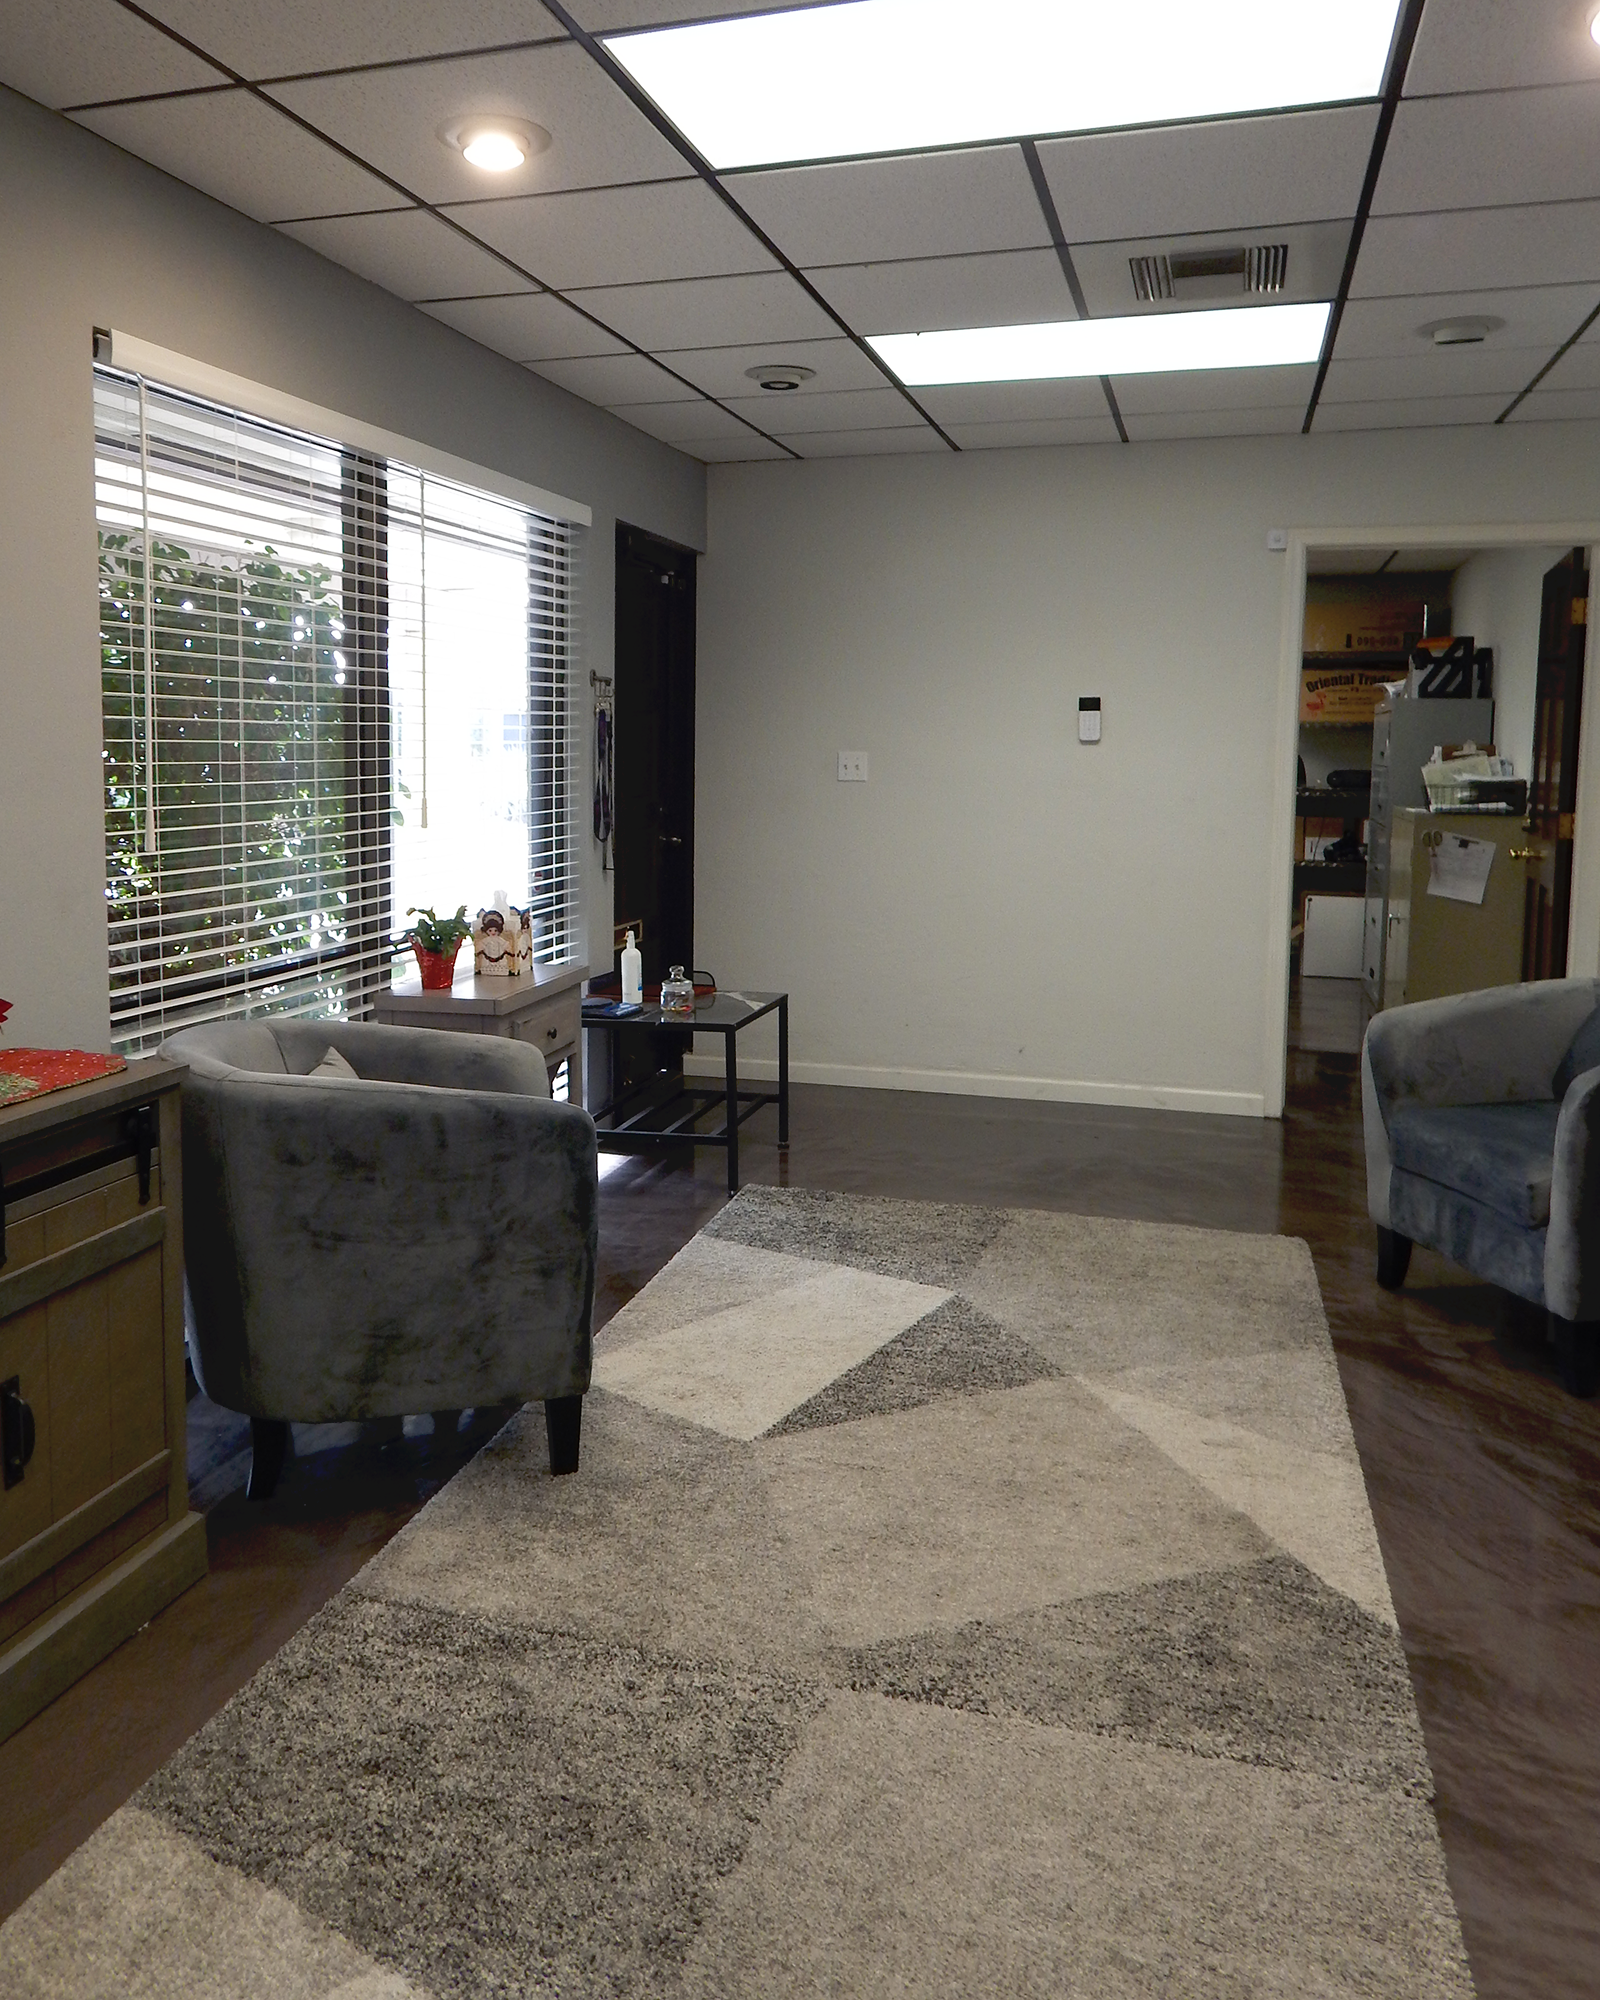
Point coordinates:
pixel 551 1033
pixel 16 1429
pixel 1525 853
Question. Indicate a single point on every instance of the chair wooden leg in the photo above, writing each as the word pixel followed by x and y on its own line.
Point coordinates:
pixel 563 1422
pixel 1394 1258
pixel 1577 1346
pixel 269 1444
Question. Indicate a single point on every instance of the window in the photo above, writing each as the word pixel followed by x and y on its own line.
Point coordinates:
pixel 334 686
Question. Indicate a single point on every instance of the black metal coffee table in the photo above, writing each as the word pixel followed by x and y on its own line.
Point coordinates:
pixel 657 1122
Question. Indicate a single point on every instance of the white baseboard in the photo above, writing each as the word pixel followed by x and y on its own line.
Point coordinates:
pixel 971 1083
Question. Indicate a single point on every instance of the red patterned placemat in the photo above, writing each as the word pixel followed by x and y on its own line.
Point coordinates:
pixel 28 1073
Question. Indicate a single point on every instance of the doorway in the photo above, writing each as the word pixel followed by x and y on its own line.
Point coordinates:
pixel 1370 716
pixel 653 818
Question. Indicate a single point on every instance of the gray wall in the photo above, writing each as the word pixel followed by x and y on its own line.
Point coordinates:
pixel 90 237
pixel 1499 597
pixel 999 908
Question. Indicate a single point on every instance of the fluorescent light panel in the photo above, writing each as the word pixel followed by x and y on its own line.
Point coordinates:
pixel 1150 344
pixel 885 76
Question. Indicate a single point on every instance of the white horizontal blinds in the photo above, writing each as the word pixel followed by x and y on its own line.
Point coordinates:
pixel 554 891
pixel 478 643
pixel 246 825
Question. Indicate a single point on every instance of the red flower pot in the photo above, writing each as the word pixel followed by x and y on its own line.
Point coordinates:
pixel 438 968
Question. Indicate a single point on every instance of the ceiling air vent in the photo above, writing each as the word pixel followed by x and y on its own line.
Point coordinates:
pixel 1209 274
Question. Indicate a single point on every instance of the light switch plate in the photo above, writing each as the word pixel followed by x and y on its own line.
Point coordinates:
pixel 1089 719
pixel 853 767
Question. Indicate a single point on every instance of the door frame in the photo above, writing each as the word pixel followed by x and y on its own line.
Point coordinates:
pixel 1583 937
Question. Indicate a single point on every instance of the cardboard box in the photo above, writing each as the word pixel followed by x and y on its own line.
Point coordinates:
pixel 1356 627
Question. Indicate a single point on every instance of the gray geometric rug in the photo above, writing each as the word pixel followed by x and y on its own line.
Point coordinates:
pixel 952 1602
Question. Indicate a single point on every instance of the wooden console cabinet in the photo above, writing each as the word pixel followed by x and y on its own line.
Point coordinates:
pixel 95 1529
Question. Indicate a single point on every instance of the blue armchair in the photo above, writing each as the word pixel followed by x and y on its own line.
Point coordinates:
pixel 1481 1115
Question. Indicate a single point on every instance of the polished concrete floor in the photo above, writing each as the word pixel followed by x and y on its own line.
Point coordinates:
pixel 1484 1477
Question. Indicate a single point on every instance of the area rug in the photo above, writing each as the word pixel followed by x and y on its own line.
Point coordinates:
pixel 952 1602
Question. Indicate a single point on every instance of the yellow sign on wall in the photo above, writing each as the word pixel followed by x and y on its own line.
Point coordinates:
pixel 1344 694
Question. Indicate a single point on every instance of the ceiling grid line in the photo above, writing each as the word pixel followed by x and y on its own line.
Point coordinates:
pixel 1405 40
pixel 1069 270
pixel 415 201
pixel 707 173
pixel 1571 341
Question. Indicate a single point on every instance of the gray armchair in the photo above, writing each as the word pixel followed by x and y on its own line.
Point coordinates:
pixel 1482 1123
pixel 417 1234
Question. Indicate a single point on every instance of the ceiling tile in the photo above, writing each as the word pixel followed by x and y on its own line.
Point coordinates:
pixel 1557 406
pixel 924 205
pixel 1236 173
pixel 731 452
pixel 290 37
pixel 533 326
pixel 1145 427
pixel 1493 150
pixel 392 118
pixel 408 252
pixel 624 236
pixel 1217 389
pixel 231 145
pixel 607 16
pixel 1543 316
pixel 616 378
pixel 839 364
pixel 1578 368
pixel 1557 244
pixel 873 444
pixel 80 51
pixel 1029 433
pixel 792 415
pixel 1316 261
pixel 685 423
pixel 1490 44
pixel 924 294
pixel 1435 371
pixel 1012 402
pixel 1400 414
pixel 706 312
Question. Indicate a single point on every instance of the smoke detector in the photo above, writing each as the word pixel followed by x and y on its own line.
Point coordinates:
pixel 780 376
pixel 1459 332
pixel 1209 274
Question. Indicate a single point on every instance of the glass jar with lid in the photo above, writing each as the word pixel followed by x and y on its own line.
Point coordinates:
pixel 677 993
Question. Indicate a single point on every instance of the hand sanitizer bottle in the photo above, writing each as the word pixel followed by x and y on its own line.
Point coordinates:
pixel 632 973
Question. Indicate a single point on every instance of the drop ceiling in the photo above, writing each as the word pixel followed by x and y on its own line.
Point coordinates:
pixel 618 266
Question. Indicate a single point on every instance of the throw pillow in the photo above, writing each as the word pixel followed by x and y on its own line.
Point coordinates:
pixel 334 1064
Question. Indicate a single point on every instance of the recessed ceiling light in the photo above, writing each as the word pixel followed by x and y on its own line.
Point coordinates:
pixel 1149 344
pixel 1459 332
pixel 780 376
pixel 1594 24
pixel 495 144
pixel 884 76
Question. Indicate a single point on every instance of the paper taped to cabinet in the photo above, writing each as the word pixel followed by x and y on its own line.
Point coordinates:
pixel 1461 868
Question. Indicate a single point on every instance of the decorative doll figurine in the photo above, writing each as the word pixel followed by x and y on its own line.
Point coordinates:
pixel 523 922
pixel 494 949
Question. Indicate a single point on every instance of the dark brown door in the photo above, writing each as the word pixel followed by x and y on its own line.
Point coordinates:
pixel 654 843
pixel 1553 790
pixel 654 813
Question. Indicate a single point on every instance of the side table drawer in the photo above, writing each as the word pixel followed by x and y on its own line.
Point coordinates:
pixel 553 1027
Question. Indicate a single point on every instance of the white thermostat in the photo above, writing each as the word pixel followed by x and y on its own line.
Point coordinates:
pixel 1089 718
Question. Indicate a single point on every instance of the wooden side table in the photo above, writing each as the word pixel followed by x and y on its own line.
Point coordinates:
pixel 540 1007
pixel 95 1529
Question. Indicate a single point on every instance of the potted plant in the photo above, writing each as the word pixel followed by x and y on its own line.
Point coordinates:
pixel 436 940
